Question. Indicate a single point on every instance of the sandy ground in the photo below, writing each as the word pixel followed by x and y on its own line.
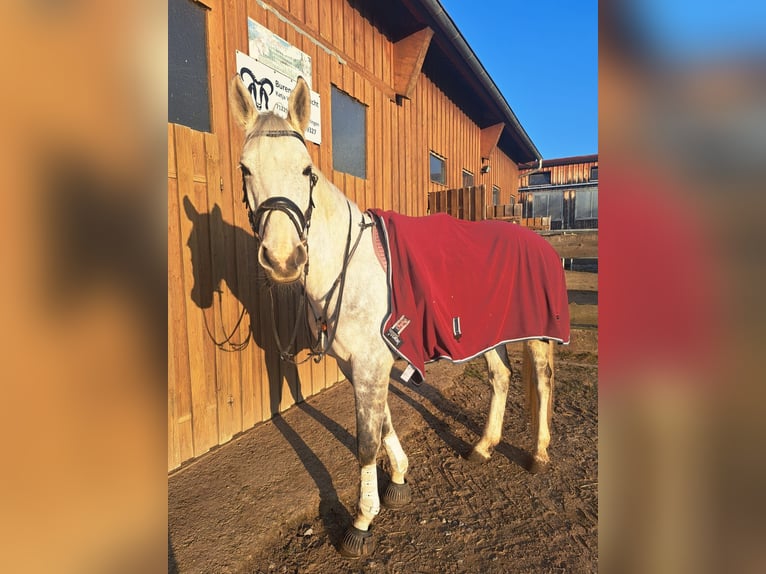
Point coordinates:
pixel 279 497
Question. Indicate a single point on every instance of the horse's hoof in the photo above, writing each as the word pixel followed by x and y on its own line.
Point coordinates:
pixel 397 495
pixel 356 543
pixel 535 466
pixel 475 457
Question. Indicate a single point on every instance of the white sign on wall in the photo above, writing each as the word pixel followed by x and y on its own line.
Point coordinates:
pixel 271 89
pixel 277 53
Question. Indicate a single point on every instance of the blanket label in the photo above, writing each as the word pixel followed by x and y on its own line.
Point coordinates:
pixel 456 328
pixel 396 330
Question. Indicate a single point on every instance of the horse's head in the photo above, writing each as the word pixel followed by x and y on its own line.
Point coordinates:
pixel 277 179
pixel 207 271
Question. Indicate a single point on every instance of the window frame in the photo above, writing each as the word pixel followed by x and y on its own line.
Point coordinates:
pixel 546 174
pixel 495 196
pixel 206 6
pixel 592 203
pixel 335 89
pixel 433 155
pixel 468 173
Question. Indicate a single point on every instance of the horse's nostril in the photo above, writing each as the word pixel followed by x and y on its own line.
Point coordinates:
pixel 300 256
pixel 280 266
pixel 265 259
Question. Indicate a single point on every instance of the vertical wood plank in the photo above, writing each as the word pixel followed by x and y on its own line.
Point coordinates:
pixel 201 364
pixel 395 155
pixel 297 9
pixel 325 20
pixel 181 440
pixel 312 15
pixel 230 395
pixel 339 37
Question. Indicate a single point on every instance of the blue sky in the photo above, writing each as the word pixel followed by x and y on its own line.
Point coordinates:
pixel 543 56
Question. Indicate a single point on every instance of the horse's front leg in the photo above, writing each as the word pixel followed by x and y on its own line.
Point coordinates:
pixel 398 491
pixel 370 392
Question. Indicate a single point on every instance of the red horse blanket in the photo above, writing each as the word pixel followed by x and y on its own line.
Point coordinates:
pixel 458 288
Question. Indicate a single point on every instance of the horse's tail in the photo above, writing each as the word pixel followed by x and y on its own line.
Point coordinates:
pixel 529 377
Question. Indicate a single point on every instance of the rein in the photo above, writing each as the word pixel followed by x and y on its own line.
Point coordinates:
pixel 302 222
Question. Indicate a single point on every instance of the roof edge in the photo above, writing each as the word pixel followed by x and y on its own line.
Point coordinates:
pixel 458 41
pixel 589 158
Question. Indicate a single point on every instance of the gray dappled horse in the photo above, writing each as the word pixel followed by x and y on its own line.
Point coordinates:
pixel 346 293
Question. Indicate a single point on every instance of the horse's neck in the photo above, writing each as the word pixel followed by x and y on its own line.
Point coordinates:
pixel 328 237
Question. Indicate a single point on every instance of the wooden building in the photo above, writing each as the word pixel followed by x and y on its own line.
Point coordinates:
pixel 428 118
pixel 564 190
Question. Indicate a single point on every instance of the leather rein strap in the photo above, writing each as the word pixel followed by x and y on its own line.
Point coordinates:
pixel 302 222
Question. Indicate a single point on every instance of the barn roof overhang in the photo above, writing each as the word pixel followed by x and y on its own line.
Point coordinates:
pixel 452 65
pixel 553 162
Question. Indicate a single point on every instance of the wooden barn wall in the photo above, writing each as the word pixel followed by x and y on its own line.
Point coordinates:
pixel 213 394
pixel 451 134
pixel 564 174
pixel 503 173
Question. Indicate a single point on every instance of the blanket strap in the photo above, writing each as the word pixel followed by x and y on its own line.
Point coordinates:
pixel 326 335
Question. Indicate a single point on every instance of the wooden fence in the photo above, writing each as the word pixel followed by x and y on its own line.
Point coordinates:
pixel 505 212
pixel 582 286
pixel 464 203
pixel 470 203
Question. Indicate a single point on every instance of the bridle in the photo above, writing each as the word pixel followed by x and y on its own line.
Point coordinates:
pixel 302 222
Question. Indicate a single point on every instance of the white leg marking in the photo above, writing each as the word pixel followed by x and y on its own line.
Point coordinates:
pixel 499 377
pixel 542 359
pixel 543 433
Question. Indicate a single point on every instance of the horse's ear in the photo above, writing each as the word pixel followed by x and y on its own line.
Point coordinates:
pixel 190 210
pixel 242 107
pixel 216 212
pixel 299 106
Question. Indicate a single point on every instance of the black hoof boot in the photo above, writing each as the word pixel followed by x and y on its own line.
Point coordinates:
pixel 356 543
pixel 397 495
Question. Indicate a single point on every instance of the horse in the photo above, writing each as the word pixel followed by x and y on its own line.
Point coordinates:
pixel 309 233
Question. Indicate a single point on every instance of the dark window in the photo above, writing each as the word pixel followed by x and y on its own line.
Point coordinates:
pixel 594 173
pixel 188 89
pixel 540 178
pixel 496 195
pixel 437 169
pixel 586 204
pixel 548 203
pixel 349 134
pixel 467 178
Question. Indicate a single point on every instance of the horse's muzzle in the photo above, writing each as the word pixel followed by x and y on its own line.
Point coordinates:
pixel 281 269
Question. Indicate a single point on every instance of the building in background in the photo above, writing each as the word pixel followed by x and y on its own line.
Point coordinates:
pixel 563 189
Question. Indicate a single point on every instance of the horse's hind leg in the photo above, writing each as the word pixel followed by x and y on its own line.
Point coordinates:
pixel 538 378
pixel 499 377
pixel 397 493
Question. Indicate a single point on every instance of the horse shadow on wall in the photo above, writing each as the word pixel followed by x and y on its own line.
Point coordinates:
pixel 250 288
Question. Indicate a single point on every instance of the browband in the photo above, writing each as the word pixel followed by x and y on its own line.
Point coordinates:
pixel 277 134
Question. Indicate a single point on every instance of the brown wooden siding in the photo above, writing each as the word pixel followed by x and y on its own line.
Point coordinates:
pixel 214 394
pixel 455 137
pixel 576 172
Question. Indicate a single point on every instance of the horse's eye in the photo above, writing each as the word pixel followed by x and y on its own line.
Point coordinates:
pixel 245 170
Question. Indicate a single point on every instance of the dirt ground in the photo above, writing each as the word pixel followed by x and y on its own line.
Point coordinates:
pixel 495 517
